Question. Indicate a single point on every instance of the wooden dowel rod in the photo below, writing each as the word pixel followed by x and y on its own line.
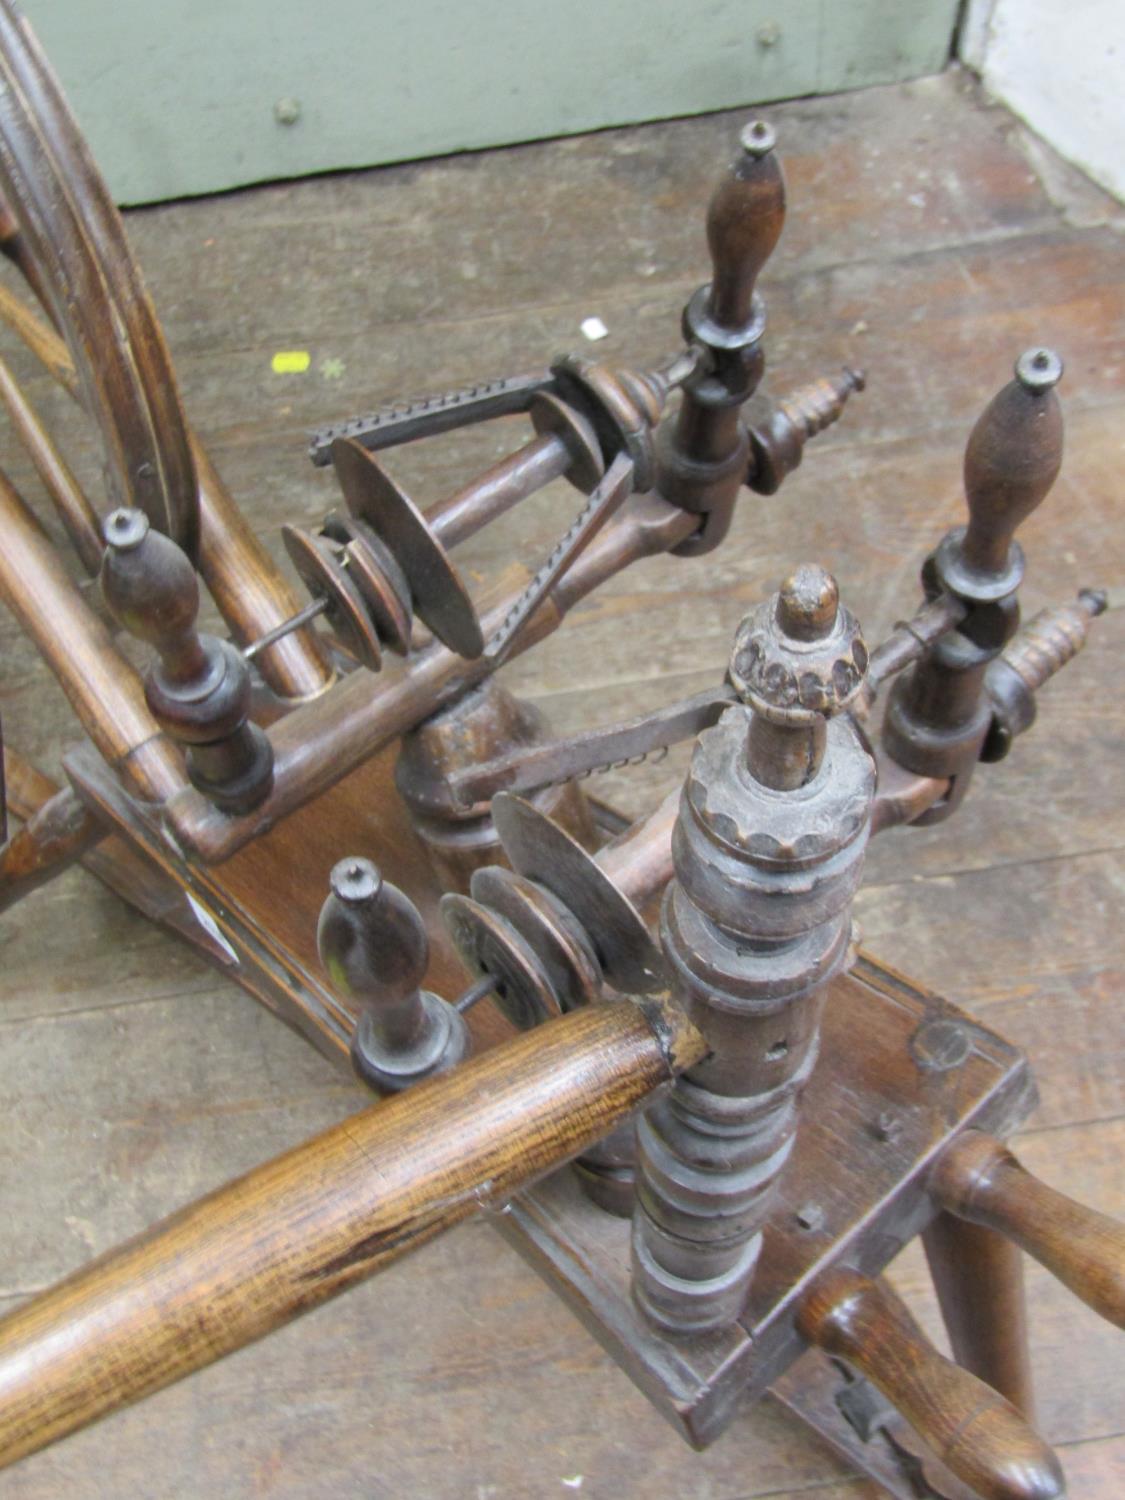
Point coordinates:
pixel 493 493
pixel 28 787
pixel 977 1178
pixel 103 689
pixel 74 510
pixel 251 593
pixel 978 1277
pixel 639 861
pixel 314 1222
pixel 41 339
pixel 317 746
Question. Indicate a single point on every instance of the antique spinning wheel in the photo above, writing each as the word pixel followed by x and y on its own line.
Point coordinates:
pixel 758 862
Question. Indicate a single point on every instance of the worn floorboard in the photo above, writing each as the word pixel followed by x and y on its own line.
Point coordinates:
pixel 928 241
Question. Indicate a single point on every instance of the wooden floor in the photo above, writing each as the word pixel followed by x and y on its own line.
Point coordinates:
pixel 930 241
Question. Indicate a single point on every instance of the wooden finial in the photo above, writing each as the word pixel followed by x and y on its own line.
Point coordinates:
pixel 744 223
pixel 373 945
pixel 1012 459
pixel 199 691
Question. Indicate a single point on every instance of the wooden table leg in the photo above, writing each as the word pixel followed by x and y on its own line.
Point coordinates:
pixel 978 1276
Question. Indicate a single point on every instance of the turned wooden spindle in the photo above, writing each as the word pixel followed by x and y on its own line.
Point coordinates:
pixel 1012 459
pixel 373 944
pixel 330 1213
pixel 979 1179
pixel 938 713
pixel 768 852
pixel 703 453
pixel 975 1432
pixel 102 687
pixel 199 691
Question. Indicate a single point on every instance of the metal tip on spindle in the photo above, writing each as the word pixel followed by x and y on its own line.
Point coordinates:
pixel 757 139
pixel 355 879
pixel 1039 370
pixel 1094 601
pixel 857 379
pixel 125 529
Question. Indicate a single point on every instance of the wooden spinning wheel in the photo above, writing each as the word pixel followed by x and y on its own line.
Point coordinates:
pixel 688 985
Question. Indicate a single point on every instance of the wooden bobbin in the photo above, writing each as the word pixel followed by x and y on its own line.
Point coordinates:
pixel 322 567
pixel 438 594
pixel 545 853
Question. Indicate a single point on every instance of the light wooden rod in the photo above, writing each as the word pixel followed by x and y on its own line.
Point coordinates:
pixel 314 1222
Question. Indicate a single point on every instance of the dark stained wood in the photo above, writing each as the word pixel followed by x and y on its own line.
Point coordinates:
pixel 978 1277
pixel 854 1190
pixel 266 900
pixel 307 1226
pixel 315 746
pixel 1008 908
pixel 979 1435
pixel 93 288
pixel 75 511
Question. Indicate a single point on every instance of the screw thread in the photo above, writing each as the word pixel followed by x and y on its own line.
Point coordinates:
pixel 813 407
pixel 1054 637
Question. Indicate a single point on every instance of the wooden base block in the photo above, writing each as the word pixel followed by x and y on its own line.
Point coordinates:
pixel 900 1072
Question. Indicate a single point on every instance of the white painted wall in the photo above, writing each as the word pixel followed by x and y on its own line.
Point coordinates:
pixel 1060 65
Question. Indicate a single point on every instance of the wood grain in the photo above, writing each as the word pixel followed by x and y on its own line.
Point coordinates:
pixel 979 1179
pixel 974 1431
pixel 307 1226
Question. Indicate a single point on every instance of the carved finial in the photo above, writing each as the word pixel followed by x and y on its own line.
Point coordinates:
pixel 1011 461
pixel 373 945
pixel 744 223
pixel 199 690
pixel 798 660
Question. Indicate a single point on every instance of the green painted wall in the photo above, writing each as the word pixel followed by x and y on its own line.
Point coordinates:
pixel 179 98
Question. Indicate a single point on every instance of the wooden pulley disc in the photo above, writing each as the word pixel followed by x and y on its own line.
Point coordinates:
pixel 320 565
pixel 378 578
pixel 73 250
pixel 542 851
pixel 551 931
pixel 487 944
pixel 438 595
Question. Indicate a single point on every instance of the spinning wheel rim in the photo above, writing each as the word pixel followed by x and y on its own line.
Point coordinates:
pixel 93 289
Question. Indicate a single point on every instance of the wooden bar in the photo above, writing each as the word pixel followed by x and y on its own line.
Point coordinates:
pixel 75 511
pixel 978 1277
pixel 979 1180
pixel 301 1229
pixel 972 1429
pixel 639 862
